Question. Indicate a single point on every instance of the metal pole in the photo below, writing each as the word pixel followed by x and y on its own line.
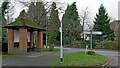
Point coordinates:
pixel 61 50
pixel 46 38
pixel 46 31
pixel 91 39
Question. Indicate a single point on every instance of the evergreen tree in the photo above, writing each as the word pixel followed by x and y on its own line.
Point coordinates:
pixel 4 7
pixel 4 22
pixel 54 21
pixel 53 25
pixel 102 24
pixel 71 24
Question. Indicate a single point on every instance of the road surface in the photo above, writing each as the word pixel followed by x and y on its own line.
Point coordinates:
pixel 48 59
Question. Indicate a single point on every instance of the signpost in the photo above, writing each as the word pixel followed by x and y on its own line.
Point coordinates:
pixel 92 33
pixel 86 49
pixel 60 16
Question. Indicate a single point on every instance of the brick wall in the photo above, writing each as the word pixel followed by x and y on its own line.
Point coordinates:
pixel 23 41
pixel 40 40
pixel 31 39
pixel 10 41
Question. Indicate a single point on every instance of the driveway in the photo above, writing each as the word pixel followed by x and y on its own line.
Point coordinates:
pixel 49 58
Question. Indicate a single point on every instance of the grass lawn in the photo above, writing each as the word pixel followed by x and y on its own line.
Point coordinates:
pixel 79 59
pixel 8 56
pixel 55 50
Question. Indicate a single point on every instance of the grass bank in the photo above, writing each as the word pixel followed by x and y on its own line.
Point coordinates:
pixel 79 59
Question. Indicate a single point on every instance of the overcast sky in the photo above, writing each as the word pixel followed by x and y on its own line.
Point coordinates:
pixel 110 5
pixel 93 5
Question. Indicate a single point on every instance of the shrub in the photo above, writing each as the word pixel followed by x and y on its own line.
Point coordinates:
pixel 90 52
pixel 112 45
pixel 99 47
pixel 51 48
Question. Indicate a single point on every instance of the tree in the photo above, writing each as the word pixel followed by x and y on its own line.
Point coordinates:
pixel 4 7
pixel 4 22
pixel 53 25
pixel 102 24
pixel 37 14
pixel 84 17
pixel 71 24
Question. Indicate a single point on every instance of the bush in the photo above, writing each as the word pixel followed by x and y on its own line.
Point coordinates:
pixel 99 47
pixel 112 45
pixel 80 44
pixel 51 48
pixel 90 52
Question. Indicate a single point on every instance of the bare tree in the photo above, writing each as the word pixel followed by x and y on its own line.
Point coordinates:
pixel 84 16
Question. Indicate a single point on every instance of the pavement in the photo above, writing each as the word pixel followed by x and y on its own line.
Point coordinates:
pixel 48 58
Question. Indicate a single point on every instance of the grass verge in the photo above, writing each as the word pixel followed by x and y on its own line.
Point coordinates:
pixel 79 59
pixel 8 56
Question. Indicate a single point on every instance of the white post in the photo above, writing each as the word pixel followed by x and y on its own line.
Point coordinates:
pixel 46 32
pixel 61 50
pixel 91 39
pixel 86 49
pixel 46 39
pixel 60 15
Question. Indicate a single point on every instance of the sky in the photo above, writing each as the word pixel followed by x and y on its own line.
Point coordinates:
pixel 93 5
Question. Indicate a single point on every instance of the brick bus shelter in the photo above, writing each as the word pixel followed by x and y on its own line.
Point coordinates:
pixel 20 36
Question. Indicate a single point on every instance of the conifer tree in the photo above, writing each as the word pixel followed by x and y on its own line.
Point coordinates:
pixel 71 24
pixel 102 23
pixel 53 25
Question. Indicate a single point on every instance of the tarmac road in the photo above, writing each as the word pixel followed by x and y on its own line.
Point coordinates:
pixel 49 59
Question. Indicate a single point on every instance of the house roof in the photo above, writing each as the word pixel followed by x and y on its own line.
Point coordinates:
pixel 19 23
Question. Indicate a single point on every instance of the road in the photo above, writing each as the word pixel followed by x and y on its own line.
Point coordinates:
pixel 49 59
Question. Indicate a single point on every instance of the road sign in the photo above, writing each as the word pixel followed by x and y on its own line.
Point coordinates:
pixel 60 16
pixel 93 32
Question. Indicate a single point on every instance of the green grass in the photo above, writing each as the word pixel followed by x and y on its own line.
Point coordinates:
pixel 55 50
pixel 79 59
pixel 8 56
